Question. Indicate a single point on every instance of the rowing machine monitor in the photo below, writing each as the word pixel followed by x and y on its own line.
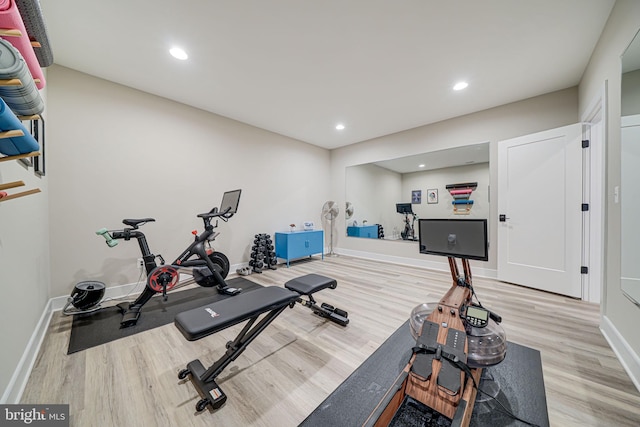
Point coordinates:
pixel 477 317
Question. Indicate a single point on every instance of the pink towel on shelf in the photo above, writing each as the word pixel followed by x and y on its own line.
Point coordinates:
pixel 10 19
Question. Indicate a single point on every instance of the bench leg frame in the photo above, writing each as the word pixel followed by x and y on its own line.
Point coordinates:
pixel 204 379
pixel 323 311
pixel 210 392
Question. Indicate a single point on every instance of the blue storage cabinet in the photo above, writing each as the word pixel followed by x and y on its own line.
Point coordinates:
pixel 298 244
pixel 370 231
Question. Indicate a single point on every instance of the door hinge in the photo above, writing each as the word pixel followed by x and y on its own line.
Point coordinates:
pixel 585 143
pixel 584 270
pixel 585 207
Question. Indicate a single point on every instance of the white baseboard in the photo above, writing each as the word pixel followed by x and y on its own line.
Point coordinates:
pixel 623 351
pixel 426 263
pixel 15 388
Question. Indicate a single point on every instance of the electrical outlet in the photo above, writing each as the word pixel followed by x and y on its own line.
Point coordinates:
pixel 140 264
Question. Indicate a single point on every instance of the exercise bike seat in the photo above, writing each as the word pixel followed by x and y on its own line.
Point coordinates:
pixel 135 222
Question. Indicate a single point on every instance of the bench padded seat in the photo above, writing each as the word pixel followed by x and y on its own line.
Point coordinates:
pixel 209 319
pixel 311 283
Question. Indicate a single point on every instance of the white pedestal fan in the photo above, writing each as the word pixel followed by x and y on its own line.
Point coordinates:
pixel 330 212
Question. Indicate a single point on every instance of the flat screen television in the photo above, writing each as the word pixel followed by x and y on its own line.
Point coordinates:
pixel 404 208
pixel 458 238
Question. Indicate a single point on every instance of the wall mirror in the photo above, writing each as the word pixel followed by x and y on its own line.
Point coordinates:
pixel 630 172
pixel 375 191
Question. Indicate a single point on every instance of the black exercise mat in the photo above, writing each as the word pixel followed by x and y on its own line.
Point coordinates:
pixel 93 329
pixel 519 376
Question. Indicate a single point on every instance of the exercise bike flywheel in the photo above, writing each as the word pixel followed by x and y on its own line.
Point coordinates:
pixel 164 277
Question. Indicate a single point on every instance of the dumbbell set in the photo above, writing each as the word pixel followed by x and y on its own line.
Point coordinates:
pixel 380 231
pixel 263 254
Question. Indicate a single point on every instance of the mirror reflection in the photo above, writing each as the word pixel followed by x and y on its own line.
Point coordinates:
pixel 630 172
pixel 387 198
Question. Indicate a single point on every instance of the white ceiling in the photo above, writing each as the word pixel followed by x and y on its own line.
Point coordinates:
pixel 298 67
pixel 451 157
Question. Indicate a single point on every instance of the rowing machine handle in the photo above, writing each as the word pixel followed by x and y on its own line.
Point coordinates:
pixel 105 233
pixel 496 317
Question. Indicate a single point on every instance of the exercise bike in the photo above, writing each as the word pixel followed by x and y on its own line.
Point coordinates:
pixel 207 267
pixel 409 231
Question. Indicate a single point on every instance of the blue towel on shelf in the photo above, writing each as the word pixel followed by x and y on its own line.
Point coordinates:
pixel 18 144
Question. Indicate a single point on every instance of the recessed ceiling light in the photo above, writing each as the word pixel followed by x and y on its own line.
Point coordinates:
pixel 178 53
pixel 460 85
pixel 339 126
pixel 421 166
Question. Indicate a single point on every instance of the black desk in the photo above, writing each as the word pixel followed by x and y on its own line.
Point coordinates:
pixel 519 376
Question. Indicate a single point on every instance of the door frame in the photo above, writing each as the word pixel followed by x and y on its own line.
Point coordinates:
pixel 595 186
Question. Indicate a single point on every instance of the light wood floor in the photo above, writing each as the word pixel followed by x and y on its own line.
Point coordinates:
pixel 301 358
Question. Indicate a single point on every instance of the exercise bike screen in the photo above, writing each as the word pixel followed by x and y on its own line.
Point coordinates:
pixel 403 208
pixel 459 238
pixel 230 200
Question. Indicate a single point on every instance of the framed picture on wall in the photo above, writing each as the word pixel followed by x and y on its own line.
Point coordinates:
pixel 416 197
pixel 432 196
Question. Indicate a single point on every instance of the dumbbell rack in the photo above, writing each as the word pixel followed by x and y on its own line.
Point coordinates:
pixel 262 253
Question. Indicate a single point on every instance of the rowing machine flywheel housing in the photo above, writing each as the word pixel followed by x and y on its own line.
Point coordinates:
pixel 418 315
pixel 87 294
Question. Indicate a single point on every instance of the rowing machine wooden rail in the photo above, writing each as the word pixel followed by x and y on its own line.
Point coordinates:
pixel 446 322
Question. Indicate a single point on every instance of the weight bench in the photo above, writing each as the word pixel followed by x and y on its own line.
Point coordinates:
pixel 267 302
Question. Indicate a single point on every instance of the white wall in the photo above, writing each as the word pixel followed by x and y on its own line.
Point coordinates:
pixel 520 118
pixel 116 153
pixel 621 316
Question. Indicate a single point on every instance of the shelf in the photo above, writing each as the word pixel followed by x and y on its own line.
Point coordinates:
pixel 9 185
pixel 11 133
pixel 10 32
pixel 19 156
pixel 10 82
pixel 33 117
pixel 15 184
pixel 22 194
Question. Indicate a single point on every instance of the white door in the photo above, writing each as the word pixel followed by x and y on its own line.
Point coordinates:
pixel 539 203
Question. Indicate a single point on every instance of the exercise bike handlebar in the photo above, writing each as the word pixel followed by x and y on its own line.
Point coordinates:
pixel 111 242
pixel 213 213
